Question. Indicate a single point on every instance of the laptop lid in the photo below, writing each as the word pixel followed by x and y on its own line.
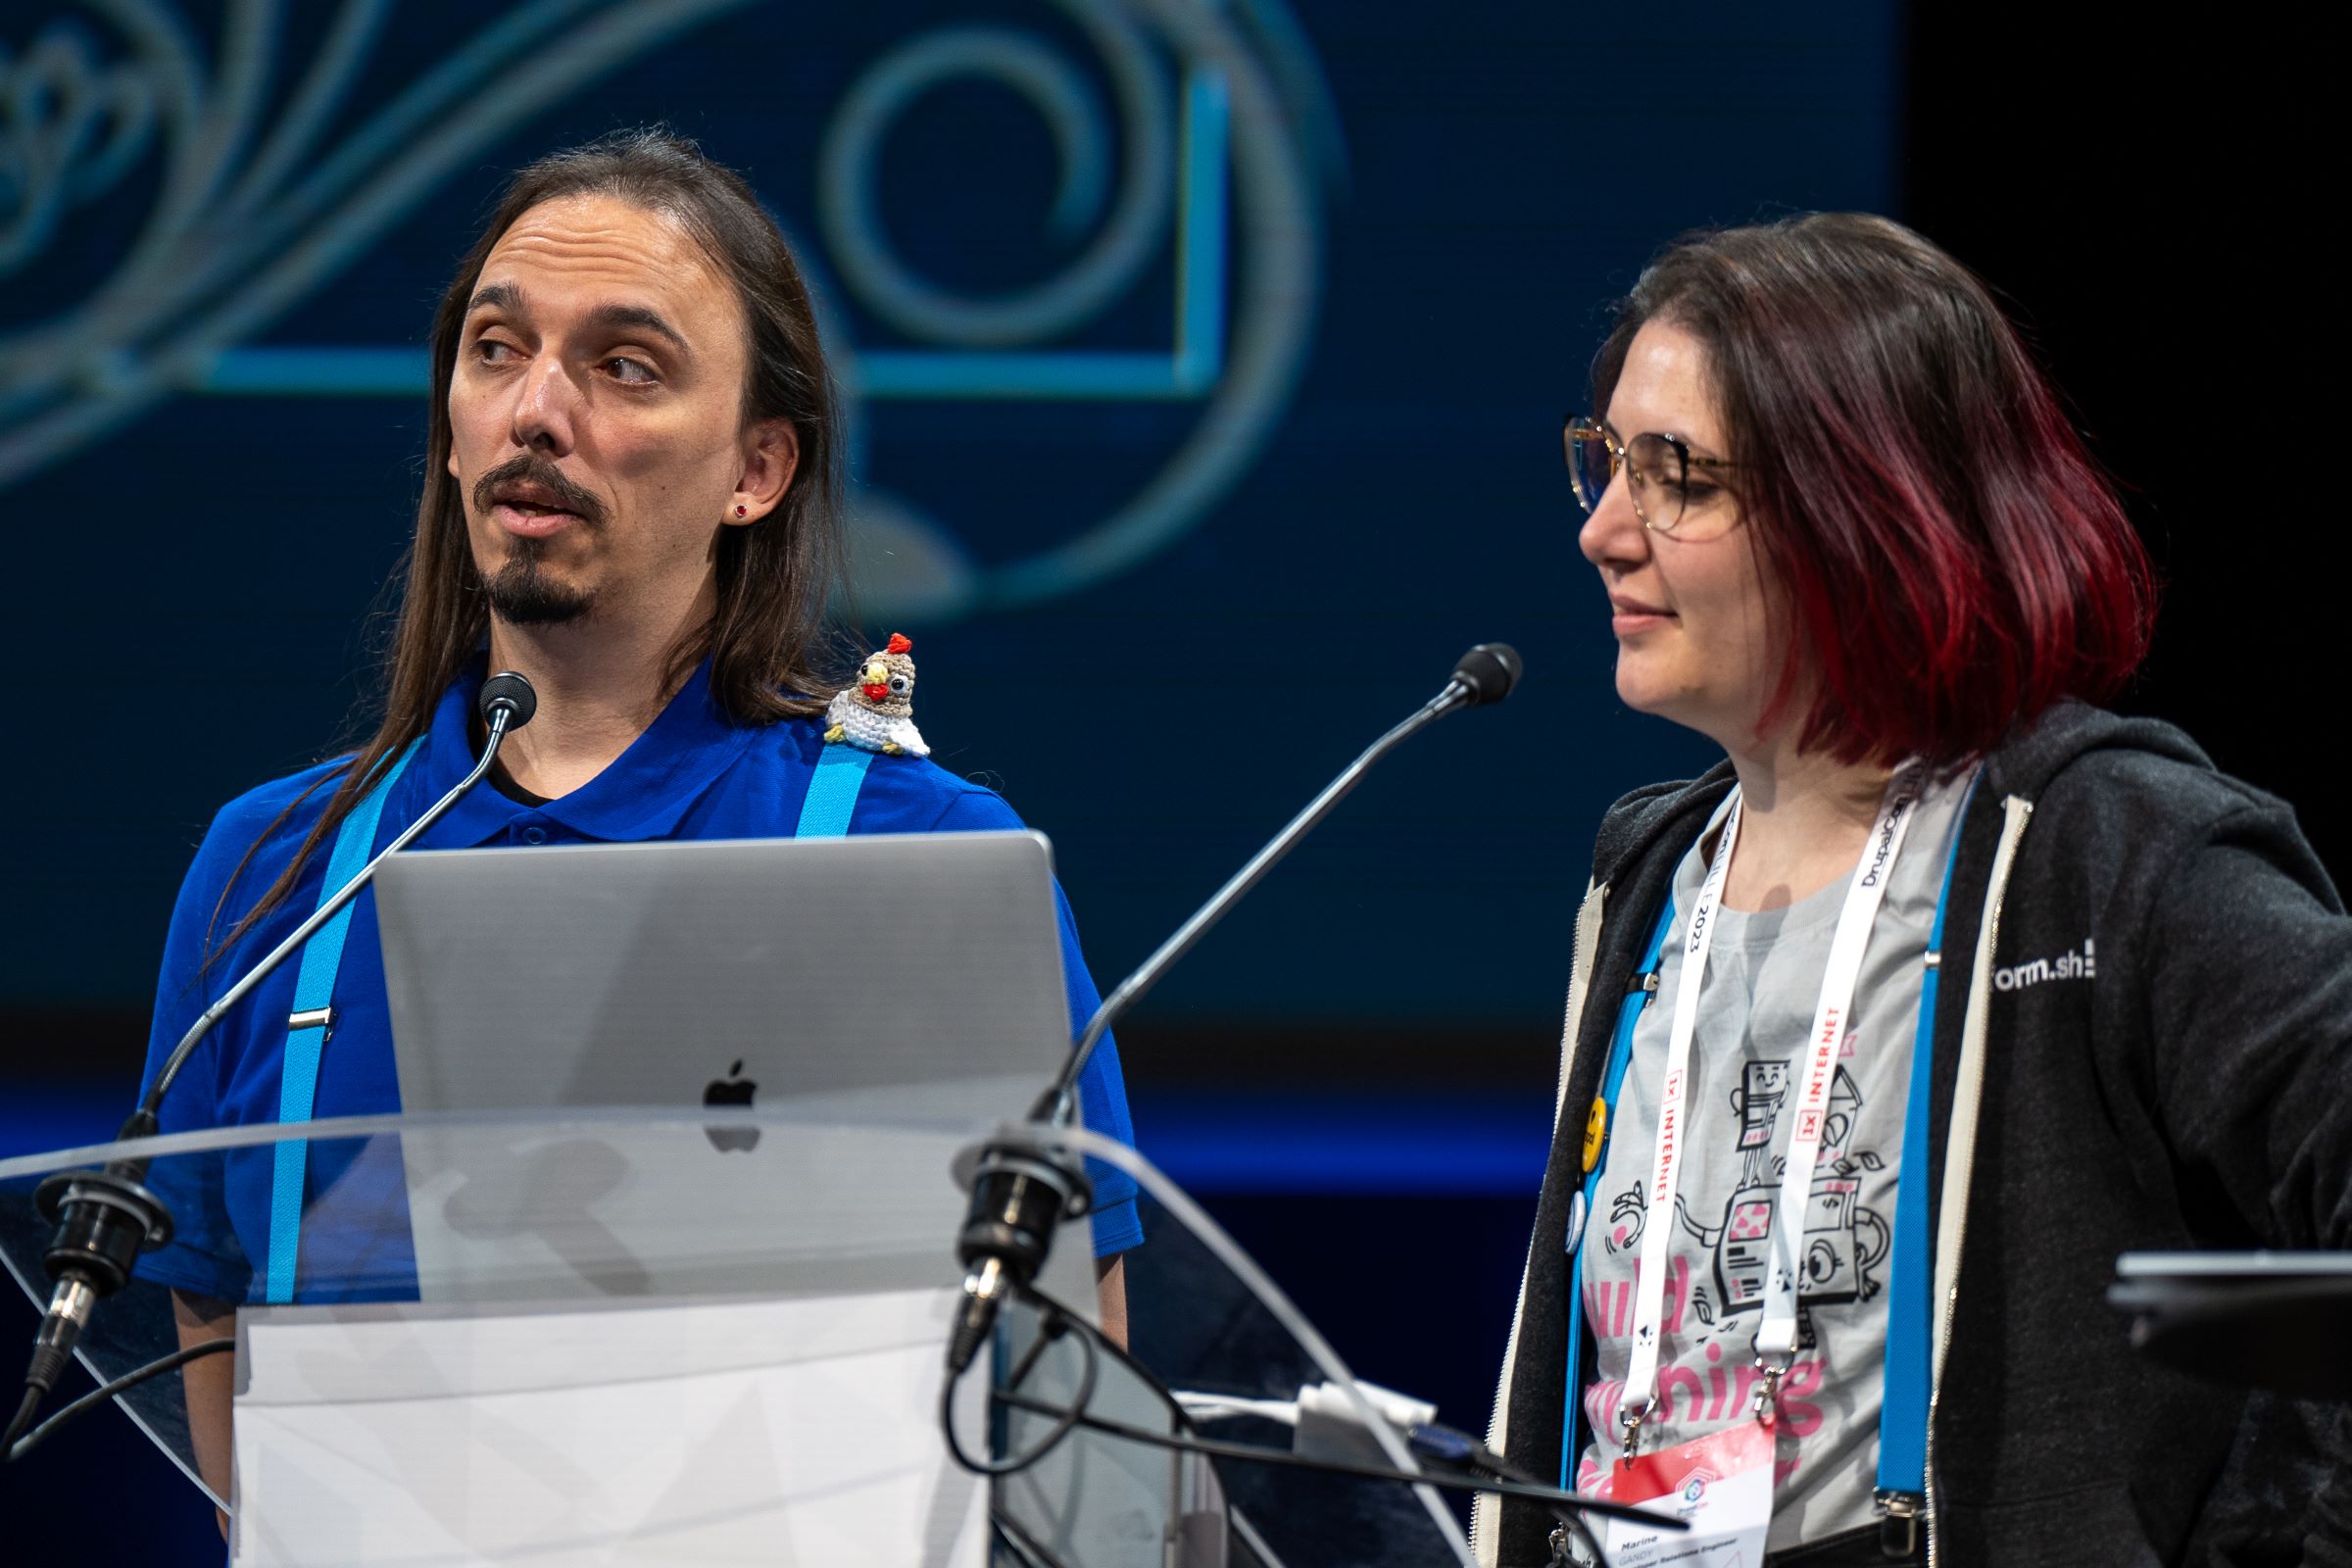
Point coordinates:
pixel 907 990
pixel 924 966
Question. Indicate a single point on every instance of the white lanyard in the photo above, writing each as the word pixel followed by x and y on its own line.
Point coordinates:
pixel 1775 1339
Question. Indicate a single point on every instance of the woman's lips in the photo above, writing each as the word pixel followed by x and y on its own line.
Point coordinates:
pixel 1630 617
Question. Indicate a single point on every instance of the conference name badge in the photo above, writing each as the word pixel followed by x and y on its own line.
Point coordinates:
pixel 1722 1484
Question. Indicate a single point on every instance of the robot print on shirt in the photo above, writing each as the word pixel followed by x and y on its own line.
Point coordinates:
pixel 1843 1242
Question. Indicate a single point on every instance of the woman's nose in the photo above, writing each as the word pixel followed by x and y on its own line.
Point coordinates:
pixel 1613 533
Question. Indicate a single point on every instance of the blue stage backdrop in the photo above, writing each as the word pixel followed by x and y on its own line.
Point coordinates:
pixel 1206 362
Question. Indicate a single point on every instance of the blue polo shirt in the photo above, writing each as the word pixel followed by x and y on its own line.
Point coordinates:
pixel 694 774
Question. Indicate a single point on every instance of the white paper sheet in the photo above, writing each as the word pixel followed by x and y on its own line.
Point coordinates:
pixel 778 1432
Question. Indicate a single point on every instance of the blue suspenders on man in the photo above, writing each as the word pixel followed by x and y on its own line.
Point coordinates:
pixel 307 1029
pixel 825 813
pixel 1904 1406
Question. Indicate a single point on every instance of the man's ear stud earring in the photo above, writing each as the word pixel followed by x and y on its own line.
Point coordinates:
pixel 742 510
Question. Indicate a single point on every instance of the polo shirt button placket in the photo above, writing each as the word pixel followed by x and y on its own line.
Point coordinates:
pixel 534 834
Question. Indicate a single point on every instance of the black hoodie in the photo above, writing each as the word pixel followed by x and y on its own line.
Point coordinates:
pixel 2187 1082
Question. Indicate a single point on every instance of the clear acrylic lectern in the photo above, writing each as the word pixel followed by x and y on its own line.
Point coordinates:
pixel 708 1336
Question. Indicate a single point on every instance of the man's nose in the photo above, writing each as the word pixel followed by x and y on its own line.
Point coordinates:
pixel 1613 534
pixel 547 407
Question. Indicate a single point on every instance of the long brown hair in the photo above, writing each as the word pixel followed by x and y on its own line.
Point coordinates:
pixel 770 642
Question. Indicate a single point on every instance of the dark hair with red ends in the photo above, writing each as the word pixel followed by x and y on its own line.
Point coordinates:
pixel 1953 560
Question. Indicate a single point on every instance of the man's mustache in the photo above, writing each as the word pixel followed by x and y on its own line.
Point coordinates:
pixel 534 469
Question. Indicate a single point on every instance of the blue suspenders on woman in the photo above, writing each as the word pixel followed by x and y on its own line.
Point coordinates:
pixel 1903 1406
pixel 824 814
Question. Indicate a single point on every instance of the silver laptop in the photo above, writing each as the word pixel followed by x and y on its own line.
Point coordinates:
pixel 888 998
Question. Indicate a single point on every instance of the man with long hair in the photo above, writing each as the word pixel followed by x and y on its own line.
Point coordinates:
pixel 632 483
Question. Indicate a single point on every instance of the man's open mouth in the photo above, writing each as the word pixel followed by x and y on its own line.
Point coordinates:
pixel 534 504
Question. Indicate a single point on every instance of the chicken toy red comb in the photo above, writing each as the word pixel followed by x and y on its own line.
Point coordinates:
pixel 898 643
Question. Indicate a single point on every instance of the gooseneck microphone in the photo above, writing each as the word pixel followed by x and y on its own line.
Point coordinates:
pixel 1021 1190
pixel 105 1219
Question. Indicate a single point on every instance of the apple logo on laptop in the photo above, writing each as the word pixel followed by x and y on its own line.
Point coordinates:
pixel 732 1090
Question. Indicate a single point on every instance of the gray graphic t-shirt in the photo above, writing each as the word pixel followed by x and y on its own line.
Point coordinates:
pixel 1762 983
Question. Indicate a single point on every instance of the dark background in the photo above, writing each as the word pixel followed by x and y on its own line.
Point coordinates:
pixel 2145 202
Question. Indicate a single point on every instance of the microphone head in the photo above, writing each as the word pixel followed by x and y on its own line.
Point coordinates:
pixel 510 691
pixel 1487 672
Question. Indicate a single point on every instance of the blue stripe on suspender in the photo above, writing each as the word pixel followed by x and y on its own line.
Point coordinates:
pixel 1910 1289
pixel 1621 1057
pixel 833 792
pixel 313 991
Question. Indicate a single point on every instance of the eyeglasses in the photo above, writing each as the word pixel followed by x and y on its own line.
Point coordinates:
pixel 1670 489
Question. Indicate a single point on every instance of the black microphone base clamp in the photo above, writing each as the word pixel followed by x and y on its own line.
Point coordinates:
pixel 1022 1188
pixel 105 1219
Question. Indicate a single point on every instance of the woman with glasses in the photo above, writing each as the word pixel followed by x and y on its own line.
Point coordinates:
pixel 1887 1035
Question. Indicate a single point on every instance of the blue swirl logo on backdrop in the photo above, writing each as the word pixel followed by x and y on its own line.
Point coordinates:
pixel 167 202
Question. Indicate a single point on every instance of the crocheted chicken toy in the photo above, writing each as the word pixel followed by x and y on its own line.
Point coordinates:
pixel 877 714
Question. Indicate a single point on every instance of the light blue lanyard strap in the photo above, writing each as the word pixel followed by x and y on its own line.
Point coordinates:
pixel 1910 1285
pixel 833 792
pixel 1903 1405
pixel 313 994
pixel 1621 1055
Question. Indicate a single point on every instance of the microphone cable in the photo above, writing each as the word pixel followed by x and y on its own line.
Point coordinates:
pixel 1055 1325
pixel 115 1389
pixel 1478 1469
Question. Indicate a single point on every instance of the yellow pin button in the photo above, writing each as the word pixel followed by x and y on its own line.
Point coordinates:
pixel 1596 1126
